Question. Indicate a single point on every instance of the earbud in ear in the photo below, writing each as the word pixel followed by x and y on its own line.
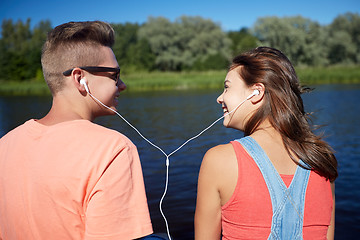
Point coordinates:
pixel 83 82
pixel 255 92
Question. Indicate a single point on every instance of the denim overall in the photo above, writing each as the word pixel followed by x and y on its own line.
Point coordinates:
pixel 287 203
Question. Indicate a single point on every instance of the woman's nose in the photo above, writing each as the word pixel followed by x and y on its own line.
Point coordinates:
pixel 219 100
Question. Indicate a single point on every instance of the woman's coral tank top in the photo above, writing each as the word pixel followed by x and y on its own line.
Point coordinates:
pixel 248 213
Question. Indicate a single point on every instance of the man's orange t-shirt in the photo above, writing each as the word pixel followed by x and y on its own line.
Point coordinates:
pixel 72 180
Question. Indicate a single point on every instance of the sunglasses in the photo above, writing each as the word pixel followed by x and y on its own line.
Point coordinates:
pixel 92 69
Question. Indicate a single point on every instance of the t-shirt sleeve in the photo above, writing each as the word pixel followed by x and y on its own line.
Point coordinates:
pixel 117 207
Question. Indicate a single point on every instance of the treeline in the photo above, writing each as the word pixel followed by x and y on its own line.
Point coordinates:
pixel 193 43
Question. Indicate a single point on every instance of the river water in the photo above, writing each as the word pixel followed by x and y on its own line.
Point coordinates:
pixel 169 118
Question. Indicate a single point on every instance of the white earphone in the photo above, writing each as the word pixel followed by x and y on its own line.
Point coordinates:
pixel 255 92
pixel 83 82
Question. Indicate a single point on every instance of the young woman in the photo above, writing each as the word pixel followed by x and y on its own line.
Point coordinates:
pixel 278 181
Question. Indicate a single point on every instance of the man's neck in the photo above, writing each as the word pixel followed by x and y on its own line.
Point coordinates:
pixel 63 110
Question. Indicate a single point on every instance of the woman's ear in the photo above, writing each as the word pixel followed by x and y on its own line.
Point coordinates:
pixel 259 90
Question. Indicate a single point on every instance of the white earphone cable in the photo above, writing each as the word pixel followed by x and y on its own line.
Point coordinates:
pixel 162 151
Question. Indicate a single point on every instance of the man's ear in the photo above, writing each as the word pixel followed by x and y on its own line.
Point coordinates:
pixel 258 97
pixel 79 80
pixel 83 83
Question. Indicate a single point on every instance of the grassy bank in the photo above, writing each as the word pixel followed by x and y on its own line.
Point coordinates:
pixel 173 80
pixel 143 81
pixel 26 88
pixel 329 75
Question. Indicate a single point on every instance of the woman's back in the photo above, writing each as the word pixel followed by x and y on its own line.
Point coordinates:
pixel 248 212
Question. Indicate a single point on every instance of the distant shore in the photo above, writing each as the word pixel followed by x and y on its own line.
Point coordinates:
pixel 160 81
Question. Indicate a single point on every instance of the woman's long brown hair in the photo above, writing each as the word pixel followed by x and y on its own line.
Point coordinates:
pixel 283 107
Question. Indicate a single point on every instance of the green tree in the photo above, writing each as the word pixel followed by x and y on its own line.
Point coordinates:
pixel 20 49
pixel 14 49
pixel 125 37
pixel 188 40
pixel 242 41
pixel 301 39
pixel 132 53
pixel 36 42
pixel 140 56
pixel 344 39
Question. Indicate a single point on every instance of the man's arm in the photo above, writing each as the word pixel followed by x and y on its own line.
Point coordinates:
pixel 118 206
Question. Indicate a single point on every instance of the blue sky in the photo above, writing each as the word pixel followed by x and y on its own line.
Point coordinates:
pixel 230 14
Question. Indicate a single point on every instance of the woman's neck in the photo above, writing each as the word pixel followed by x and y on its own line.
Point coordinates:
pixel 272 143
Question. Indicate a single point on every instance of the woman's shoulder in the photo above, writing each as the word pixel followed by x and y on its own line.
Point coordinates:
pixel 221 168
pixel 220 159
pixel 219 152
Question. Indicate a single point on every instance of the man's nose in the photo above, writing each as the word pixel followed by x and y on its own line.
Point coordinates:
pixel 121 85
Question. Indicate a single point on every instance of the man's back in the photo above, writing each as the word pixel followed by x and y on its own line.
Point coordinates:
pixel 73 180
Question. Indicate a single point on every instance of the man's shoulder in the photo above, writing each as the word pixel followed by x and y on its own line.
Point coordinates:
pixel 13 132
pixel 97 128
pixel 102 130
pixel 94 132
pixel 83 131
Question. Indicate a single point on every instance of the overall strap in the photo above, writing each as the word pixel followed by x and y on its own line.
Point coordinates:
pixel 287 203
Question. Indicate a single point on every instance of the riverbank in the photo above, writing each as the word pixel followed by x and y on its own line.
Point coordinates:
pixel 160 81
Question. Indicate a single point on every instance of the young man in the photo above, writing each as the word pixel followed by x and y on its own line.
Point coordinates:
pixel 62 176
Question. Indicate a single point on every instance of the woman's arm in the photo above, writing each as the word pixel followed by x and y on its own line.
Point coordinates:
pixel 331 229
pixel 208 204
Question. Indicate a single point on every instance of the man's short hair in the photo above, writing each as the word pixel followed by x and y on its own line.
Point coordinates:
pixel 73 44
